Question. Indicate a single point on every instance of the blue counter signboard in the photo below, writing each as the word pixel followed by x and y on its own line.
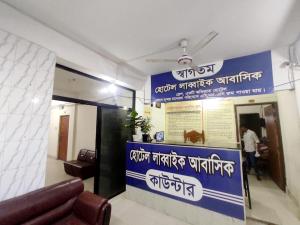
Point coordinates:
pixel 205 177
pixel 248 75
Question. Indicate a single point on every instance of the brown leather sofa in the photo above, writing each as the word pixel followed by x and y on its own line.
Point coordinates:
pixel 64 203
pixel 84 166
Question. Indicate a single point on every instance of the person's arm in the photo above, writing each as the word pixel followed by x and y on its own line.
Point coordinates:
pixel 256 140
pixel 242 142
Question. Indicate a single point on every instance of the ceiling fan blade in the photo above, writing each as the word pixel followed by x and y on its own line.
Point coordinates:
pixel 205 41
pixel 165 49
pixel 161 60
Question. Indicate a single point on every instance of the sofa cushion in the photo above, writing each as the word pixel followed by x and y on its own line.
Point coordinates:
pixel 53 215
pixel 82 155
pixel 71 220
pixel 90 157
pixel 79 164
pixel 14 211
pixel 89 208
pixel 84 166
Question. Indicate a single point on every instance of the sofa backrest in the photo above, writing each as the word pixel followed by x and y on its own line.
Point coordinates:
pixel 82 155
pixel 91 156
pixel 86 155
pixel 41 206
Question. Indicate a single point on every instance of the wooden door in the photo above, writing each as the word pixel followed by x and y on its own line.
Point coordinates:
pixel 276 158
pixel 63 137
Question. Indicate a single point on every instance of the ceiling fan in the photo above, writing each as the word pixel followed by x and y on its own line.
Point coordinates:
pixel 186 59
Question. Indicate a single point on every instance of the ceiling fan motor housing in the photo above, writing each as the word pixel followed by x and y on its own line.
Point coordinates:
pixel 185 60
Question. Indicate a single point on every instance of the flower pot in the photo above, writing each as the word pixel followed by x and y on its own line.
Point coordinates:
pixel 146 137
pixel 136 137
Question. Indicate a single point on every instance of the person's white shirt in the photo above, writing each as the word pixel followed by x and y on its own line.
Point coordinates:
pixel 250 140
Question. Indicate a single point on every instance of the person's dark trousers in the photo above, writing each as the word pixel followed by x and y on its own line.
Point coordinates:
pixel 251 162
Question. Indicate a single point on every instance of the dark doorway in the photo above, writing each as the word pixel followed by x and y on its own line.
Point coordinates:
pixel 266 125
pixel 251 121
pixel 276 159
pixel 112 135
pixel 63 137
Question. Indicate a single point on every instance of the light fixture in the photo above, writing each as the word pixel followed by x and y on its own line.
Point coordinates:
pixel 112 88
pixel 103 90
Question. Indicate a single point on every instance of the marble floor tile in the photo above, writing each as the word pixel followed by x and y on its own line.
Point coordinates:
pixel 270 205
pixel 55 173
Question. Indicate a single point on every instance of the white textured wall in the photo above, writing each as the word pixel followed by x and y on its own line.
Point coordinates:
pixel 56 112
pixel 82 129
pixel 295 188
pixel 26 83
pixel 289 114
pixel 290 130
pixel 139 102
pixel 281 76
pixel 297 86
pixel 158 119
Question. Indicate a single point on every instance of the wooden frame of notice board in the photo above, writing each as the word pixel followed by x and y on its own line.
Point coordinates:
pixel 211 114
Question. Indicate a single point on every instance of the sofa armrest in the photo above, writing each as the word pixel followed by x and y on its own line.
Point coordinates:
pixel 92 208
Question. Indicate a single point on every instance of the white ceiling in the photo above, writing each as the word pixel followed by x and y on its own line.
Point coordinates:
pixel 125 29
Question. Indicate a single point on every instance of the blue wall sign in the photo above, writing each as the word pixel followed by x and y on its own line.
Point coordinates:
pixel 248 75
pixel 205 177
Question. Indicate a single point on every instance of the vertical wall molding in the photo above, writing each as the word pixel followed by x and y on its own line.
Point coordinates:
pixel 26 85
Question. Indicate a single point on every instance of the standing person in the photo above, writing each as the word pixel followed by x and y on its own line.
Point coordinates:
pixel 251 142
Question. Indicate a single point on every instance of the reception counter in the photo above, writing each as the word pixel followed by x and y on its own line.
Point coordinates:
pixel 199 185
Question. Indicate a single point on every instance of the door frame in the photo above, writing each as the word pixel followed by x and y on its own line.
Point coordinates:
pixel 98 132
pixel 99 106
pixel 249 104
pixel 86 102
pixel 60 116
pixel 275 105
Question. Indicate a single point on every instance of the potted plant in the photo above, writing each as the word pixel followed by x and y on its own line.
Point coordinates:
pixel 146 128
pixel 133 122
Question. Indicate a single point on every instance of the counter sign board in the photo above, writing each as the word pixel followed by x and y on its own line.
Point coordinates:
pixel 243 76
pixel 205 177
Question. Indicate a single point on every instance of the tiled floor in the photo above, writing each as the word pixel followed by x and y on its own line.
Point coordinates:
pixel 126 212
pixel 269 203
pixel 55 173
